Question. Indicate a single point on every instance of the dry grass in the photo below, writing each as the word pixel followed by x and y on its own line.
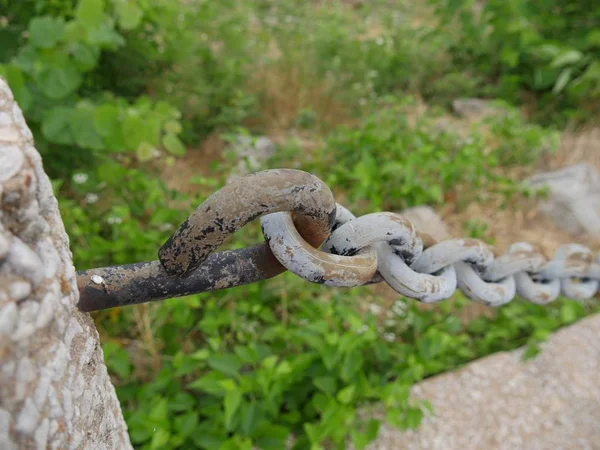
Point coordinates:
pixel 581 146
pixel 285 89
pixel 196 162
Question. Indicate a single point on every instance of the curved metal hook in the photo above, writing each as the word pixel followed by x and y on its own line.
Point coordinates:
pixel 240 202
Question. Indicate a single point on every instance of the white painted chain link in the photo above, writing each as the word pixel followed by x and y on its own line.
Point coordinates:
pixel 387 246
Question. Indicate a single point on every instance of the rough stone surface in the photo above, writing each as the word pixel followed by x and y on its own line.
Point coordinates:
pixel 426 220
pixel 502 402
pixel 55 392
pixel 252 152
pixel 574 198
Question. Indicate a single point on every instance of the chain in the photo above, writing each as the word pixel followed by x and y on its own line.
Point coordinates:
pixel 309 234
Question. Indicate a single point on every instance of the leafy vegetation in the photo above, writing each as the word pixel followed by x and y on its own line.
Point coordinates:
pixel 550 49
pixel 115 90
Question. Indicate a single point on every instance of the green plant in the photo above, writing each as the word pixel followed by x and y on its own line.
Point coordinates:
pixel 54 75
pixel 399 157
pixel 257 365
pixel 551 49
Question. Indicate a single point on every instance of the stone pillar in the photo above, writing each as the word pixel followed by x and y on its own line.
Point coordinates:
pixel 55 391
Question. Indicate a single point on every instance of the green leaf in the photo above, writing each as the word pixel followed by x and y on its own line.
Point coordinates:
pixel 251 417
pixel 592 72
pixel 569 311
pixel 83 130
pixel 247 354
pixel 352 364
pixel 159 412
pixel 117 359
pixel 106 119
pixel 509 56
pixel 46 31
pixel 359 439
pixel 85 56
pixel 209 439
pixel 372 428
pixel 412 418
pixel 138 129
pixel 186 424
pixel 546 51
pixel 531 351
pixel 16 81
pixel 231 403
pixel 173 145
pixel 228 364
pixel 159 439
pixel 271 437
pixel 562 80
pixel 228 385
pixel 129 15
pixel 201 355
pixel 326 384
pixel 346 395
pixel 593 38
pixel 166 111
pixel 172 127
pixel 56 126
pixel 146 152
pixel 182 402
pixel 567 58
pixel 105 36
pixel 90 12
pixel 284 368
pixel 209 383
pixel 57 82
pixel 362 439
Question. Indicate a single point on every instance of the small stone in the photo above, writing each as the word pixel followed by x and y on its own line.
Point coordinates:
pixel 573 201
pixel 49 256
pixel 97 279
pixel 5 119
pixel 41 435
pixel 25 263
pixel 252 152
pixel 11 161
pixel 475 108
pixel 47 309
pixel 8 318
pixel 28 417
pixel 28 311
pixel 19 290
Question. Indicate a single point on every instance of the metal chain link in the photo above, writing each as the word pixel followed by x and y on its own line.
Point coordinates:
pixel 321 241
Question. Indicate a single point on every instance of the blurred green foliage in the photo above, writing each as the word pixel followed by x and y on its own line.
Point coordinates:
pixel 396 158
pixel 549 48
pixel 114 90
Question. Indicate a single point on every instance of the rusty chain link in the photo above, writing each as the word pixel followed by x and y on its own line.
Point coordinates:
pixel 307 233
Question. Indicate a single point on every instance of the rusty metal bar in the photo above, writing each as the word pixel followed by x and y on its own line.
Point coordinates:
pixel 131 284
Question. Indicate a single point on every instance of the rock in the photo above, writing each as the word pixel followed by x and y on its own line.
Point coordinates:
pixel 502 402
pixel 573 198
pixel 474 108
pixel 251 152
pixel 41 405
pixel 426 220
